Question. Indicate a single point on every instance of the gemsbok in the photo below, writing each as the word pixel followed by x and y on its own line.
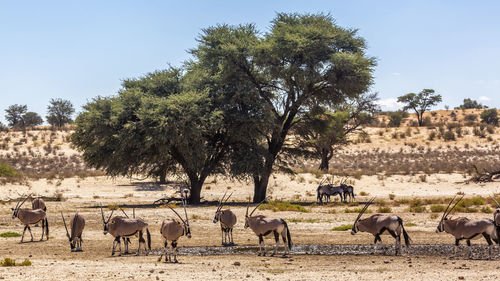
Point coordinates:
pixel 328 190
pixel 377 224
pixel 496 216
pixel 227 220
pixel 28 216
pixel 172 230
pixel 77 223
pixel 263 226
pixel 348 190
pixel 120 226
pixel 38 203
pixel 463 228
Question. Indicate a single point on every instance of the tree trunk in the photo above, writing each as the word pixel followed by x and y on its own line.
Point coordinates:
pixel 260 187
pixel 195 192
pixel 420 119
pixel 162 177
pixel 324 166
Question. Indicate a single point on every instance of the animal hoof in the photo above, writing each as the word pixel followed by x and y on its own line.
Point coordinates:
pixel 176 261
pixel 73 250
pixel 271 255
pixel 259 254
pixel 112 254
pixel 284 256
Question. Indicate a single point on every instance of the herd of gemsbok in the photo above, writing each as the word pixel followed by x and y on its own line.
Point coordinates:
pixel 124 227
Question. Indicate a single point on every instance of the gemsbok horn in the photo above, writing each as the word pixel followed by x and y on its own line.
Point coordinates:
pixel 463 228
pixel 172 230
pixel 126 227
pixel 377 224
pixel 263 226
pixel 227 220
pixel 28 216
pixel 77 223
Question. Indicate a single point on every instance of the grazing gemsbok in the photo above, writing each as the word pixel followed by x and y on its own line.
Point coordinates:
pixel 28 216
pixel 348 190
pixel 172 230
pixel 464 228
pixel 77 225
pixel 328 190
pixel 38 203
pixel 227 220
pixel 120 226
pixel 263 226
pixel 376 224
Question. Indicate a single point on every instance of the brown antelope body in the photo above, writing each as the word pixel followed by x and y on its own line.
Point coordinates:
pixel 28 216
pixel 377 224
pixel 172 230
pixel 77 223
pixel 466 229
pixel 38 203
pixel 263 226
pixel 227 221
pixel 120 226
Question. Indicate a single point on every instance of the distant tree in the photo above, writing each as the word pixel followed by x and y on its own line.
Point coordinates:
pixel 490 116
pixel 470 103
pixel 32 119
pixel 420 102
pixel 15 115
pixel 59 112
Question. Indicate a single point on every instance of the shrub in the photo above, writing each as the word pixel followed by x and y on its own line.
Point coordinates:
pixel 490 129
pixel 427 121
pixel 7 170
pixel 486 210
pixel 356 210
pixel 417 209
pixel 362 193
pixel 384 210
pixel 432 135
pixel 437 208
pixel 478 132
pixel 470 117
pixel 10 234
pixel 490 116
pixel 410 224
pixel 281 206
pixel 392 196
pixel 8 262
pixel 342 227
pixel 395 119
pixel 449 136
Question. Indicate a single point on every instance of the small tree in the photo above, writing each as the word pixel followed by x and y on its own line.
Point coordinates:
pixel 32 119
pixel 420 102
pixel 15 115
pixel 59 112
pixel 395 119
pixel 490 116
pixel 470 103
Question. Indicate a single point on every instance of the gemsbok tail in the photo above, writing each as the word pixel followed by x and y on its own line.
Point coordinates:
pixel 318 198
pixel 148 236
pixel 405 234
pixel 288 235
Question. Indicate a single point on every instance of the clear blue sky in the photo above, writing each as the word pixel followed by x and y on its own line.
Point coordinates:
pixel 80 49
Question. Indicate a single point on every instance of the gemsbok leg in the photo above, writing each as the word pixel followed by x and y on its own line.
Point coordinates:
pixel 261 245
pixel 277 239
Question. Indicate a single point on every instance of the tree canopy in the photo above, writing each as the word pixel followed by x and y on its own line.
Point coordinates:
pixel 230 108
pixel 420 102
pixel 32 119
pixel 59 112
pixel 14 116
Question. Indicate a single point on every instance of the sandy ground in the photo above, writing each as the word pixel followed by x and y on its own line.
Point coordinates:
pixel 52 259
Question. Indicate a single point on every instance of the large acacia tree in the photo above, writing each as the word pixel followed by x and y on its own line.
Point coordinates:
pixel 301 59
